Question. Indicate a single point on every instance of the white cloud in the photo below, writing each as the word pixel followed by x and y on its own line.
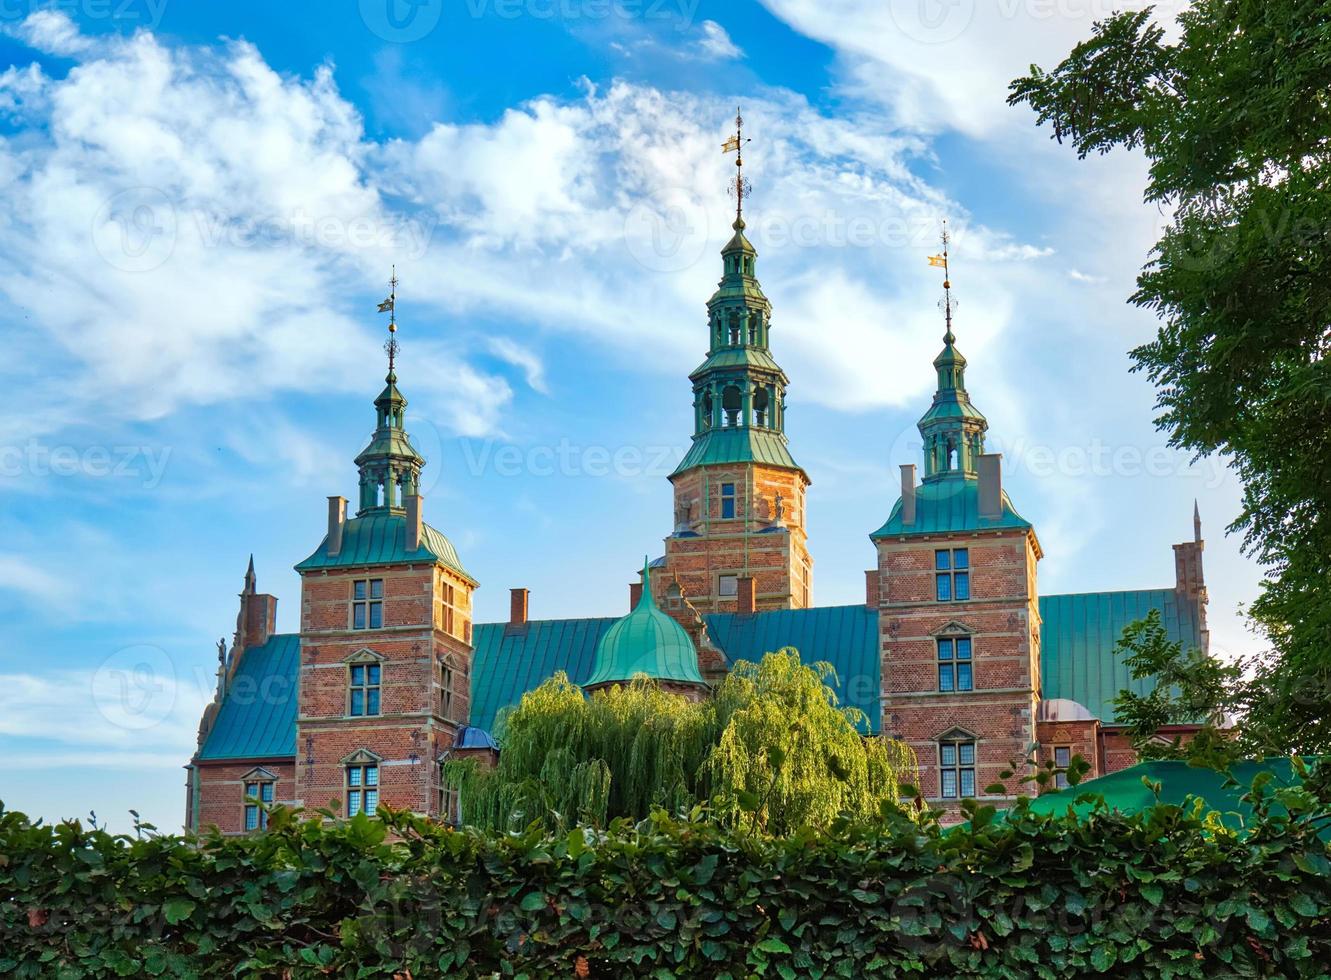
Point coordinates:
pixel 18 574
pixel 715 42
pixel 521 357
pixel 51 32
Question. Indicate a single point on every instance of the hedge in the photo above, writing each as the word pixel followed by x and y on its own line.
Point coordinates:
pixel 1165 893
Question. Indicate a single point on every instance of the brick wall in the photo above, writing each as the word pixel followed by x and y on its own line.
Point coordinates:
pixel 425 638
pixel 221 797
pixel 1002 620
pixel 778 560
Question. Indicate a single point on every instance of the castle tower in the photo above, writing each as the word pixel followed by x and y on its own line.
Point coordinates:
pixel 385 637
pixel 739 496
pixel 959 619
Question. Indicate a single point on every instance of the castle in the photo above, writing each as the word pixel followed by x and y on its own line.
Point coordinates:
pixel 953 649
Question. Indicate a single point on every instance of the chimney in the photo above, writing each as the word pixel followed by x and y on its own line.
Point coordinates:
pixel 413 502
pixel 908 494
pixel 1189 578
pixel 872 595
pixel 635 595
pixel 517 607
pixel 745 601
pixel 337 519
pixel 990 470
pixel 257 619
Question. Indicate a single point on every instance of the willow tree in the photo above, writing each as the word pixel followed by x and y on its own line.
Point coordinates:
pixel 772 748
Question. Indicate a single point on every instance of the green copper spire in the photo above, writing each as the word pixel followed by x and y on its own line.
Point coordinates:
pixel 390 467
pixel 739 391
pixel 953 429
pixel 646 641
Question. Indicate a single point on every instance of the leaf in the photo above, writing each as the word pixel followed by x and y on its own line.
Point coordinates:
pixel 533 901
pixel 177 910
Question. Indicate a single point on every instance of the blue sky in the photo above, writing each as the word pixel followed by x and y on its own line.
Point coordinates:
pixel 201 204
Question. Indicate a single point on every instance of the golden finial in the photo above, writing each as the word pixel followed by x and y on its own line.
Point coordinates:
pixel 948 304
pixel 389 306
pixel 739 187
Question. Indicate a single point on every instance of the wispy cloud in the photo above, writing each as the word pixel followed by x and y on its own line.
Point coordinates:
pixel 715 42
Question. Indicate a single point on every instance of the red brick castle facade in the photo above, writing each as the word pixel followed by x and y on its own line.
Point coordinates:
pixel 953 649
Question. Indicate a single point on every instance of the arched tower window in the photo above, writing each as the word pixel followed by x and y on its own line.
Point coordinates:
pixel 730 404
pixel 755 322
pixel 707 409
pixel 733 327
pixel 760 406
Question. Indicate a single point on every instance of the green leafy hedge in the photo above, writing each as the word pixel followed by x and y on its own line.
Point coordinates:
pixel 1165 893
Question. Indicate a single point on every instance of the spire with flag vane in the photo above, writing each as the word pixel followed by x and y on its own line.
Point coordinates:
pixel 389 466
pixel 953 429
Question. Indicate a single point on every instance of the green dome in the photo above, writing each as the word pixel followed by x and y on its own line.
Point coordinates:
pixel 646 641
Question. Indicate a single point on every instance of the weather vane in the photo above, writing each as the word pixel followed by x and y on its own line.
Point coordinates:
pixel 389 306
pixel 947 304
pixel 739 187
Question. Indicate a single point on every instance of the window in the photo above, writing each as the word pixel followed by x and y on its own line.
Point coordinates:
pixel 954 663
pixel 446 684
pixel 363 690
pixel 448 596
pixel 727 501
pixel 367 607
pixel 257 792
pixel 956 768
pixel 1062 759
pixel 362 788
pixel 727 586
pixel 952 575
pixel 449 810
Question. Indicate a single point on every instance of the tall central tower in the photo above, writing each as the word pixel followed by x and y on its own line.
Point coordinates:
pixel 738 493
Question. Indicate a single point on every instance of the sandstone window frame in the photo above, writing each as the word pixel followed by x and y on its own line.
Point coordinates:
pixel 360 779
pixel 952 574
pixel 364 684
pixel 955 655
pixel 1061 768
pixel 729 502
pixel 958 753
pixel 258 789
pixel 367 604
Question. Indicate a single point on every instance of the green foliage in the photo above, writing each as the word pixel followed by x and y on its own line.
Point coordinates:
pixel 1163 893
pixel 1191 688
pixel 1234 118
pixel 771 749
